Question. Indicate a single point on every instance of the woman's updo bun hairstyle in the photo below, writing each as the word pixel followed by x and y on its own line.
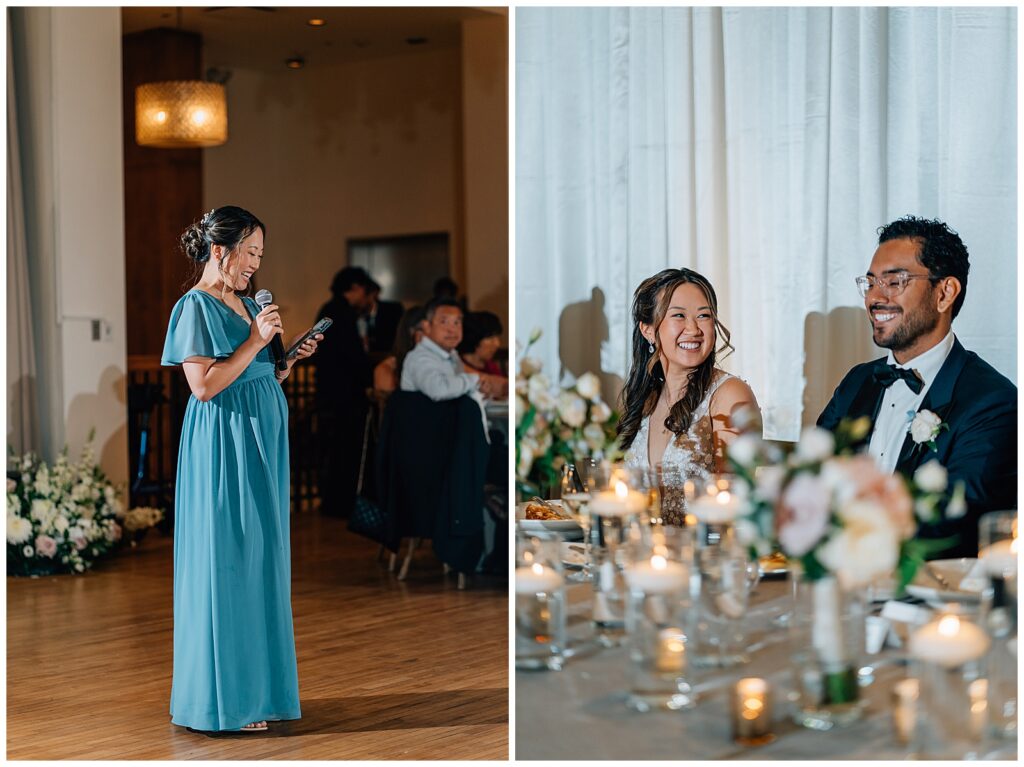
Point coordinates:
pixel 227 226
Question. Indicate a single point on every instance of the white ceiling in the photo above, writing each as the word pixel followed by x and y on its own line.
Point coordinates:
pixel 262 38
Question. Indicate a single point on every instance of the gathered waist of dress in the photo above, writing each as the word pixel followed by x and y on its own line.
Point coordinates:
pixel 256 370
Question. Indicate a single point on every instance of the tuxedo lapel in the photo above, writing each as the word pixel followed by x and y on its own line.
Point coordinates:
pixel 938 400
pixel 867 401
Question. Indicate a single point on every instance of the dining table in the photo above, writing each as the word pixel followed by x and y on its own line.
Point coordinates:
pixel 580 712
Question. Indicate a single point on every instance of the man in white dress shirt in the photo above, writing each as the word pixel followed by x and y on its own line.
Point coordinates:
pixel 966 411
pixel 434 367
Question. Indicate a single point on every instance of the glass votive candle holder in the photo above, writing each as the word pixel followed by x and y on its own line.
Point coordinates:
pixel 948 659
pixel 655 634
pixel 615 515
pixel 905 697
pixel 540 606
pixel 997 543
pixel 752 712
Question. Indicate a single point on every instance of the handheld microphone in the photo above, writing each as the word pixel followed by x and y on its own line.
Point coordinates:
pixel 264 298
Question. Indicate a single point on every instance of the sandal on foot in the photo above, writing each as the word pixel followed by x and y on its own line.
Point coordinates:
pixel 260 726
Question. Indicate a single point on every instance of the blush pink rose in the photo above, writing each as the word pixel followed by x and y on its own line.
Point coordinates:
pixel 803 514
pixel 45 546
pixel 869 483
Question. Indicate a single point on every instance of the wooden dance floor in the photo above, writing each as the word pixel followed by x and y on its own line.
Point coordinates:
pixel 387 670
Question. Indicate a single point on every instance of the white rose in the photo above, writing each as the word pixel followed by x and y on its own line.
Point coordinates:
pixel 572 409
pixel 932 477
pixel 594 435
pixel 19 529
pixel 744 449
pixel 42 484
pixel 600 412
pixel 816 444
pixel 539 392
pixel 867 547
pixel 589 386
pixel 769 482
pixel 61 524
pixel 13 505
pixel 525 460
pixel 530 366
pixel 521 408
pixel 925 426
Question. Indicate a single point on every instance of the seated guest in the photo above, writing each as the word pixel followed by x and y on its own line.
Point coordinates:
pixel 410 331
pixel 481 339
pixel 914 288
pixel 434 367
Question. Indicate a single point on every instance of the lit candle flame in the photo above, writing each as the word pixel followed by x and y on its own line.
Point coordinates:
pixel 949 626
pixel 723 497
pixel 1013 546
pixel 621 490
pixel 537 568
pixel 659 562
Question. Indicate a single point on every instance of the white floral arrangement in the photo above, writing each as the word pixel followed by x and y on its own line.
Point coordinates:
pixel 60 518
pixel 832 509
pixel 141 518
pixel 557 425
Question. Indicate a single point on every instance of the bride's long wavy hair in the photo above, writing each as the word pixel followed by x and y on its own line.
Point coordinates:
pixel 646 376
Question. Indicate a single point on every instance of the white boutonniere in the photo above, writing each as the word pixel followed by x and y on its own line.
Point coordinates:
pixel 924 427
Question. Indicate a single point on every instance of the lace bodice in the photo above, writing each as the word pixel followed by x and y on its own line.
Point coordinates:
pixel 690 455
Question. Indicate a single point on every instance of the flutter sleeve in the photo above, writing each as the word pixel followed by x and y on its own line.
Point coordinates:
pixel 196 329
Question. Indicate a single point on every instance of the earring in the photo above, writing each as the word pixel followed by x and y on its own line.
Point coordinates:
pixel 650 348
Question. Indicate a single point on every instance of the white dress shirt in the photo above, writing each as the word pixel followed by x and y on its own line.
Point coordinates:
pixel 437 373
pixel 893 420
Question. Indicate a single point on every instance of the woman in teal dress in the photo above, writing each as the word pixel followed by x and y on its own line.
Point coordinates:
pixel 234 648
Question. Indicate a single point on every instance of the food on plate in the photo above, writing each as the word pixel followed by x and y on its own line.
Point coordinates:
pixel 542 512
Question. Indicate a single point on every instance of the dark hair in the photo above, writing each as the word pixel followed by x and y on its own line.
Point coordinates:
pixel 227 226
pixel 941 251
pixel 437 302
pixel 445 286
pixel 476 326
pixel 406 334
pixel 349 276
pixel 646 377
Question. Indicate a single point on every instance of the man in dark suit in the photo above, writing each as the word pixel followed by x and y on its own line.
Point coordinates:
pixel 342 375
pixel 913 290
pixel 381 318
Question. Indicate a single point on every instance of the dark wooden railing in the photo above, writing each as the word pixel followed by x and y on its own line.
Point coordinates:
pixel 161 393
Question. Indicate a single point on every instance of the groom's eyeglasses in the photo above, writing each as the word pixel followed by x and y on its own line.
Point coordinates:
pixel 890 284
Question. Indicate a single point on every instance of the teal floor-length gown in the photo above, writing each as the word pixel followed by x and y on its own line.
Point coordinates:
pixel 234 646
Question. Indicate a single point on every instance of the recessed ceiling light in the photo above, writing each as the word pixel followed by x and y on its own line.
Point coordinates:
pixel 415 40
pixel 317 22
pixel 295 62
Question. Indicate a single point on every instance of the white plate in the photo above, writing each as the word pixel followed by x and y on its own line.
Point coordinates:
pixel 953 570
pixel 551 525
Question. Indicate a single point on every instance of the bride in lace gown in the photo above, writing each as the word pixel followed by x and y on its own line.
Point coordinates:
pixel 677 406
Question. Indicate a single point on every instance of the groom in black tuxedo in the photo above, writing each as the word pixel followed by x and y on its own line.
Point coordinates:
pixel 914 288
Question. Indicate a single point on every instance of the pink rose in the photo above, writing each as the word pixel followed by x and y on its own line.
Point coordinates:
pixel 866 482
pixel 803 514
pixel 46 546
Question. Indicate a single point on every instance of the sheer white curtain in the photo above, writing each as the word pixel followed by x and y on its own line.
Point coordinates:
pixel 763 148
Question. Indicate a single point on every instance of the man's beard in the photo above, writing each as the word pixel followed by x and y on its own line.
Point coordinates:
pixel 913 325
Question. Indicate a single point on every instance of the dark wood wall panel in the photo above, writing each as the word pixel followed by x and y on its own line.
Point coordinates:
pixel 163 190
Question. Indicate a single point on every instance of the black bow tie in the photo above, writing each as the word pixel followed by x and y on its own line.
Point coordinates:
pixel 887 375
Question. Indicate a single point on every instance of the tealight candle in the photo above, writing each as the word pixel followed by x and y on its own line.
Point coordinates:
pixel 536 578
pixel 977 692
pixel 1000 559
pixel 752 712
pixel 904 714
pixel 671 657
pixel 717 509
pixel 657 576
pixel 619 502
pixel 949 642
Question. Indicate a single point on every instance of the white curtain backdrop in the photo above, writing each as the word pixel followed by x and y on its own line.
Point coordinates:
pixel 763 148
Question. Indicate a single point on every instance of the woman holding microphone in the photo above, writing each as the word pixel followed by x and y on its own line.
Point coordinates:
pixel 234 647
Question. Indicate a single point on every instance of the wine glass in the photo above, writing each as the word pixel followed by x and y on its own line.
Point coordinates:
pixel 575 494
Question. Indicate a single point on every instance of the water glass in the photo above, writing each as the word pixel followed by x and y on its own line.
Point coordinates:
pixel 540 605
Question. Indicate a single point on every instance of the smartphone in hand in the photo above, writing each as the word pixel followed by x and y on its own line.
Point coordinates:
pixel 320 327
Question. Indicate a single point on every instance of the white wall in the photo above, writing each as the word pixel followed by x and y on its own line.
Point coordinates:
pixel 321 155
pixel 75 226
